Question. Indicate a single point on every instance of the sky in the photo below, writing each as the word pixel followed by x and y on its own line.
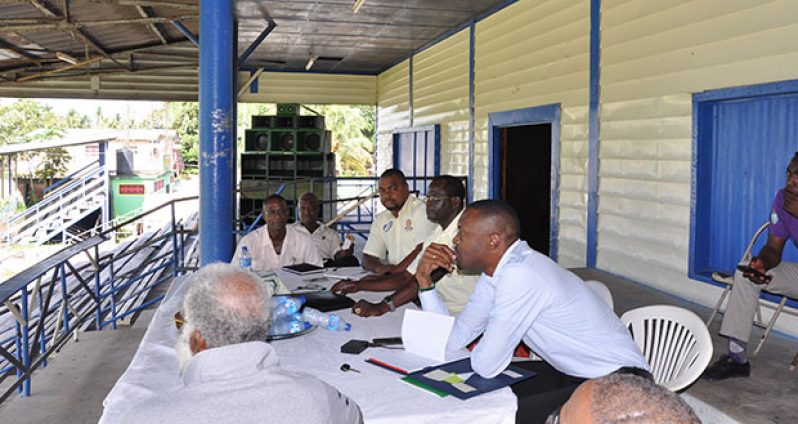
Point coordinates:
pixel 136 110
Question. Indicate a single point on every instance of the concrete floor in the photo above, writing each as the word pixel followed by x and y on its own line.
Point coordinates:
pixel 71 389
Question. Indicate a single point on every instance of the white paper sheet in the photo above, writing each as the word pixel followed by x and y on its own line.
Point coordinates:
pixel 425 334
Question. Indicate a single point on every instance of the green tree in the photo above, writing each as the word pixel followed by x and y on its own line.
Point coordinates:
pixel 75 120
pixel 352 136
pixel 184 118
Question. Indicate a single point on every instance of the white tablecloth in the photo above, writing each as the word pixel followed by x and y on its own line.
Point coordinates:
pixel 382 397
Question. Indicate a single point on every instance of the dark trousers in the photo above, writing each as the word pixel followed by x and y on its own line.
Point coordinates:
pixel 541 395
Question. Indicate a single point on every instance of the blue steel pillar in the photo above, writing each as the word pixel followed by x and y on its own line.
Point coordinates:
pixel 217 118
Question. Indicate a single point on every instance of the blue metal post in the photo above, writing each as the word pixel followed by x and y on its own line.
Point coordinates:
pixel 187 32
pixel 593 134
pixel 64 297
pixel 111 293
pixel 175 247
pixel 251 49
pixel 471 93
pixel 217 187
pixel 25 340
pixel 42 335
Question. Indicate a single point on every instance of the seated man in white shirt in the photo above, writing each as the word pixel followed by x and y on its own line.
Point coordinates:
pixel 326 239
pixel 523 295
pixel 229 374
pixel 397 231
pixel 277 244
pixel 444 207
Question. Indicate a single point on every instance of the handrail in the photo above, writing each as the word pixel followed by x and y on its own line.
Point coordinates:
pixel 69 176
pixel 48 200
pixel 54 299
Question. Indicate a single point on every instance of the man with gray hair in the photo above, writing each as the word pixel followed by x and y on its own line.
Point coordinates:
pixel 623 398
pixel 229 373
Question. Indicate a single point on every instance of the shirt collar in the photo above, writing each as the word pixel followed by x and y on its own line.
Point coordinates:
pixel 504 259
pixel 229 361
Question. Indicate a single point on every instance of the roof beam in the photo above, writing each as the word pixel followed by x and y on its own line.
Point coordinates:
pixel 117 52
pixel 144 3
pixel 60 23
pixel 20 51
pixel 152 27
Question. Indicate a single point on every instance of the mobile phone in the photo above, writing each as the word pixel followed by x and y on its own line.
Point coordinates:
pixel 388 341
pixel 437 274
pixel 751 270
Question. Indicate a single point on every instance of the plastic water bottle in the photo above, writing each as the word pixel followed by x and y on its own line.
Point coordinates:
pixel 286 305
pixel 245 260
pixel 286 325
pixel 331 322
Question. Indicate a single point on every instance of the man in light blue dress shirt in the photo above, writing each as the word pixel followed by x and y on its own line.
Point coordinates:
pixel 523 295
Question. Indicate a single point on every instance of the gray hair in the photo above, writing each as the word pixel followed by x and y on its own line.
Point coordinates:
pixel 627 398
pixel 228 305
pixel 310 197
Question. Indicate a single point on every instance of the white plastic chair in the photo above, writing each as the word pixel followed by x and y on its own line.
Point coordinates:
pixel 674 341
pixel 602 291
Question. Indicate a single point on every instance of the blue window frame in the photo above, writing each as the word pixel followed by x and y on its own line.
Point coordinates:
pixel 743 139
pixel 416 152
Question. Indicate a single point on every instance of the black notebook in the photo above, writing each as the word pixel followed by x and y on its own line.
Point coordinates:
pixel 303 269
pixel 326 301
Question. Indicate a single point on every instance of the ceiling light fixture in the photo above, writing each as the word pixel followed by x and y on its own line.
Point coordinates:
pixel 356 6
pixel 310 63
pixel 66 58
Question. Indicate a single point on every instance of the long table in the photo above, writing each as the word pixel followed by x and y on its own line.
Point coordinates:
pixel 382 397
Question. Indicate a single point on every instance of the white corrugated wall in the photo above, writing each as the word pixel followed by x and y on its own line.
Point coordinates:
pixel 655 55
pixel 310 88
pixel 530 54
pixel 440 96
pixel 393 109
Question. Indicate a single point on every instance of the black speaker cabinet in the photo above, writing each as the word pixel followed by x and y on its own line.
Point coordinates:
pixel 257 140
pixel 287 122
pixel 310 141
pixel 283 141
pixel 310 122
pixel 254 165
pixel 288 109
pixel 262 121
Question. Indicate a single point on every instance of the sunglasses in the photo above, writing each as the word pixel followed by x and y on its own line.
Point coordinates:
pixel 179 320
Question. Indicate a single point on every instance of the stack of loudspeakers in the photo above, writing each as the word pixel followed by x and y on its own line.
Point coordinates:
pixel 286 148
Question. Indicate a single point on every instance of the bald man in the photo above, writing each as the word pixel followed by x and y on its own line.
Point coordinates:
pixel 623 398
pixel 524 296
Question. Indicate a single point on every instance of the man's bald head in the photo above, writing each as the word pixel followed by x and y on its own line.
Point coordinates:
pixel 227 305
pixel 498 217
pixel 625 398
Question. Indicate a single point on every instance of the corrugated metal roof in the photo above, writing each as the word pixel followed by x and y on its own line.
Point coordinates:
pixel 125 45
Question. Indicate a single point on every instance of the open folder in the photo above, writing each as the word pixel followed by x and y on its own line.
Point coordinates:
pixel 459 380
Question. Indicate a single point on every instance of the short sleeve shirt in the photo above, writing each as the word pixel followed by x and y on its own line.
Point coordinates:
pixel 325 238
pixel 455 288
pixel 782 224
pixel 297 248
pixel 395 237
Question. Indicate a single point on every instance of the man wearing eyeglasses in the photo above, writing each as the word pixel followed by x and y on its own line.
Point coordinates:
pixel 277 244
pixel 229 374
pixel 397 231
pixel 444 206
pixel 766 270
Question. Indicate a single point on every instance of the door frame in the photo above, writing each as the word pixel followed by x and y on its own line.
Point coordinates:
pixel 545 114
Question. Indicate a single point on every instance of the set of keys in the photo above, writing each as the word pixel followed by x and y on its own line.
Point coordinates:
pixel 345 367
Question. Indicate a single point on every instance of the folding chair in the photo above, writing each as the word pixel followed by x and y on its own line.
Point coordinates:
pixel 728 280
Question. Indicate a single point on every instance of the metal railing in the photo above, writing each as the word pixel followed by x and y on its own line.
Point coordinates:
pixel 46 304
pixel 58 205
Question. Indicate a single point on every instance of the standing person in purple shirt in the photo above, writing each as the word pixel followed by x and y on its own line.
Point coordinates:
pixel 773 275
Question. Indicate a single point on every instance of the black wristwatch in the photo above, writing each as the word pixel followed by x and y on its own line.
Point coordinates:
pixel 389 301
